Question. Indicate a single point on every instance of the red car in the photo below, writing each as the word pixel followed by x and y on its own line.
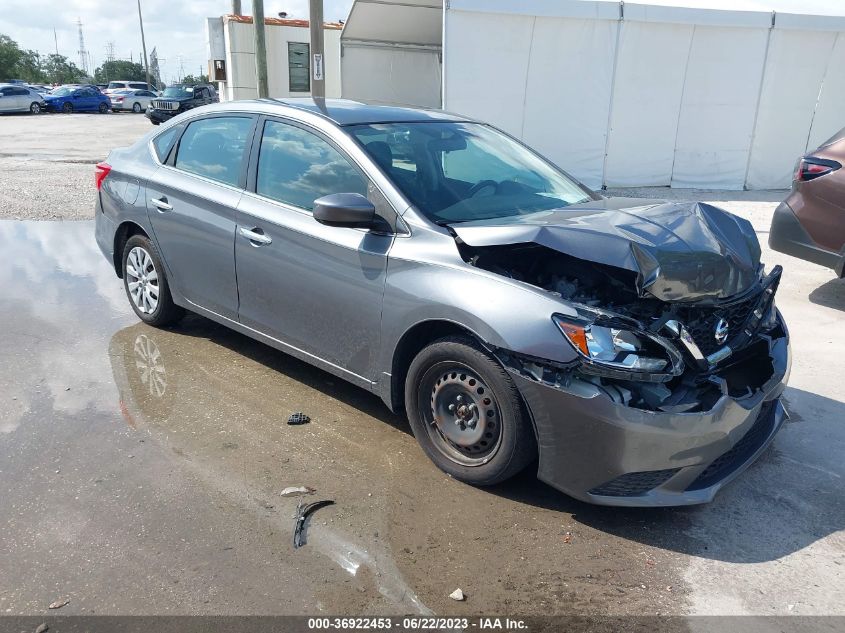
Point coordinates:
pixel 810 223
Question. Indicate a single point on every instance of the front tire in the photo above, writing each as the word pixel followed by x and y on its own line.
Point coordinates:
pixel 145 283
pixel 35 108
pixel 136 107
pixel 467 414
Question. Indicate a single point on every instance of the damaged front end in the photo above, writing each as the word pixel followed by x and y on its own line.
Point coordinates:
pixel 681 351
pixel 658 362
pixel 672 307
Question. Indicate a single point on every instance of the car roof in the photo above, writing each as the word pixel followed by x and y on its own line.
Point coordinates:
pixel 347 112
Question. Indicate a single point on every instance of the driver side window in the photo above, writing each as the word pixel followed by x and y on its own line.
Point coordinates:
pixel 297 167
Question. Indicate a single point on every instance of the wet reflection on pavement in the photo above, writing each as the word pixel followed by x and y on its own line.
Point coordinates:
pixel 140 472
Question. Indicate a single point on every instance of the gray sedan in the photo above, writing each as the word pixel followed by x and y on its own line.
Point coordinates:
pixel 630 348
pixel 20 98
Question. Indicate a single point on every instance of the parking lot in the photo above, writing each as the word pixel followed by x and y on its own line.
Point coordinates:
pixel 140 469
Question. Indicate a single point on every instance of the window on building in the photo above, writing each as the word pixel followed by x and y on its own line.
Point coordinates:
pixel 297 167
pixel 299 77
pixel 214 148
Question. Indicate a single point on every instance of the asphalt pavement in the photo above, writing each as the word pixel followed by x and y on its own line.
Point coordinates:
pixel 141 469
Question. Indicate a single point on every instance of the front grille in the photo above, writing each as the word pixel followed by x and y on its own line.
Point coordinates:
pixel 701 322
pixel 164 105
pixel 728 462
pixel 634 484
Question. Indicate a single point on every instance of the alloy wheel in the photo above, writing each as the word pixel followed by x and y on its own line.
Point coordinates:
pixel 35 108
pixel 67 108
pixel 142 280
pixel 136 107
pixel 463 417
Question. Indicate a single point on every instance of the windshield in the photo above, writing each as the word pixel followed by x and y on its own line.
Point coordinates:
pixel 460 172
pixel 116 84
pixel 178 92
pixel 62 92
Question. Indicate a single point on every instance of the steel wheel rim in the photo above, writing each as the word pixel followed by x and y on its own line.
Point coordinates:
pixel 142 281
pixel 462 416
pixel 150 365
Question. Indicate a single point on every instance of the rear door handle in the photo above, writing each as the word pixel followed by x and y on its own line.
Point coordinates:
pixel 254 236
pixel 161 204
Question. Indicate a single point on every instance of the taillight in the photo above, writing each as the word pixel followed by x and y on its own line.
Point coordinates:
pixel 100 172
pixel 811 167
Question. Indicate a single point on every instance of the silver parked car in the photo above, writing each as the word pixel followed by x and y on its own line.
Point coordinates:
pixel 20 98
pixel 134 100
pixel 632 347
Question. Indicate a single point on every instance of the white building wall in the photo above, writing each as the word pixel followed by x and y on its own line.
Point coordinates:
pixel 240 60
pixel 391 74
pixel 691 98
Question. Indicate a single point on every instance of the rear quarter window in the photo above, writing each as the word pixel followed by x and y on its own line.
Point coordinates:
pixel 164 142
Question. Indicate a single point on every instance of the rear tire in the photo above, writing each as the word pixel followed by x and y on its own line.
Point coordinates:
pixel 467 414
pixel 35 108
pixel 136 107
pixel 67 108
pixel 145 283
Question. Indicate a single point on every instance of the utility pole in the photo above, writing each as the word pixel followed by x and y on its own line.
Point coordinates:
pixel 144 44
pixel 236 7
pixel 260 48
pixel 318 64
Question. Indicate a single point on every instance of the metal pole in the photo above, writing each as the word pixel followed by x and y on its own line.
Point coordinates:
pixel 260 48
pixel 318 58
pixel 236 7
pixel 56 40
pixel 144 44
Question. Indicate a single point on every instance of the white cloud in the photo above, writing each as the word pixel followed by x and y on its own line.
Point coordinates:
pixel 175 29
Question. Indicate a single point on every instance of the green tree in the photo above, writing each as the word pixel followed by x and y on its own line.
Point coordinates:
pixel 29 68
pixel 10 56
pixel 118 69
pixel 192 79
pixel 58 69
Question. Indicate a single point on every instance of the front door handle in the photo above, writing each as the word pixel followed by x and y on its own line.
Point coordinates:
pixel 161 204
pixel 254 236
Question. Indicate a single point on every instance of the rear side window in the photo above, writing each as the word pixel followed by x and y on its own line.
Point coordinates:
pixel 297 167
pixel 214 148
pixel 20 92
pixel 138 86
pixel 164 141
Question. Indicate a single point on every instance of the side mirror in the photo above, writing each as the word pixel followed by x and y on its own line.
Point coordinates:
pixel 345 209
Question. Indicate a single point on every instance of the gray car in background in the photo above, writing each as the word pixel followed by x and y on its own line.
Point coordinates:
pixel 20 98
pixel 630 348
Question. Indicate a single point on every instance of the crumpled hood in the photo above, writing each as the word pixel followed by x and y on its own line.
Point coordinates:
pixel 680 251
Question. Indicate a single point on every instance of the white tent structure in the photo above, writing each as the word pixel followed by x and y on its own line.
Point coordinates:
pixel 721 94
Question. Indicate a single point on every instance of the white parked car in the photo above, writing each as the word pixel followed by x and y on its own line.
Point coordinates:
pixel 135 100
pixel 18 98
pixel 118 86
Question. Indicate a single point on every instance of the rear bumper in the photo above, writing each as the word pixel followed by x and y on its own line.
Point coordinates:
pixel 788 236
pixel 599 451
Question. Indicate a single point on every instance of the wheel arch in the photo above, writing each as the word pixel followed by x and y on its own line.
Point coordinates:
pixel 126 230
pixel 411 343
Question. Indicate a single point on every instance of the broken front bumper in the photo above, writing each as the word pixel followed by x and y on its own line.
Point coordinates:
pixel 603 452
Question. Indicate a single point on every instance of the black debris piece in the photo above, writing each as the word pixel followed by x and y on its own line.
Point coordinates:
pixel 302 514
pixel 298 418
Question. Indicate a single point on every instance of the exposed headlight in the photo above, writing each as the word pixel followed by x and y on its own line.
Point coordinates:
pixel 615 347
